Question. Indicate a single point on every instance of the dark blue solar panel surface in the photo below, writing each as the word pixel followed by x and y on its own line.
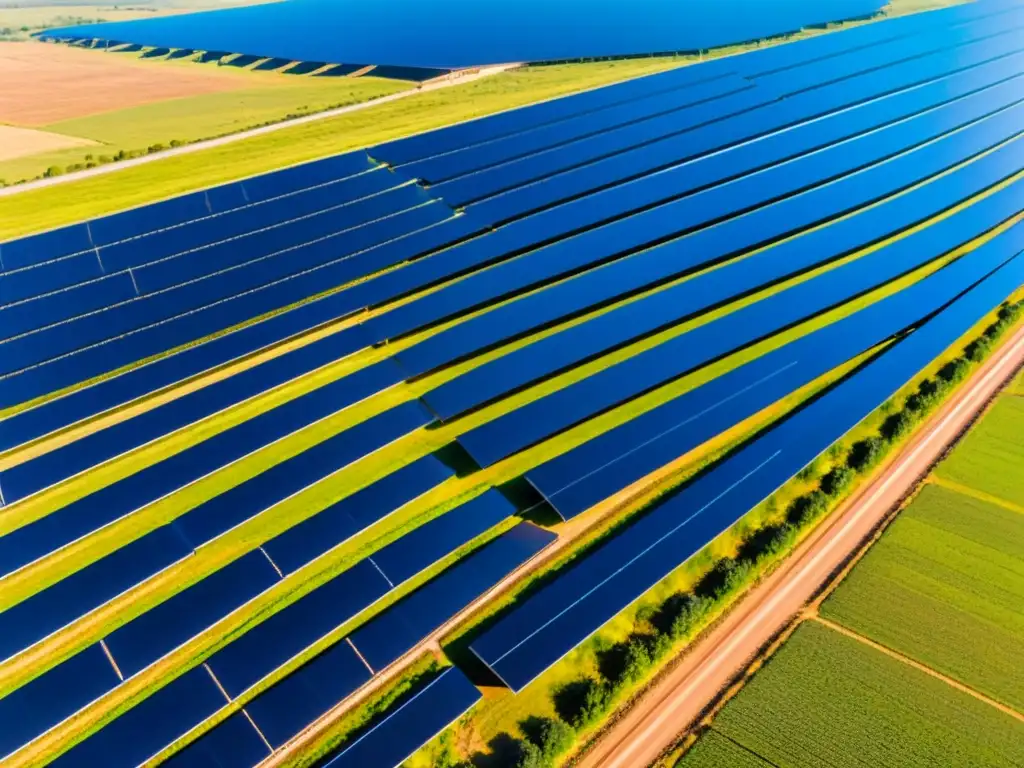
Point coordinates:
pixel 164 627
pixel 391 634
pixel 54 696
pixel 217 351
pixel 500 438
pixel 204 232
pixel 304 542
pixel 437 539
pixel 44 613
pixel 556 619
pixel 81 517
pixel 308 693
pixel 149 726
pixel 180 412
pixel 266 646
pixel 28 316
pixel 228 298
pixel 756 122
pixel 480 156
pixel 539 165
pixel 459 33
pixel 547 113
pixel 52 276
pixel 661 263
pixel 412 725
pixel 599 468
pixel 234 743
pixel 45 246
pixel 232 508
pixel 225 253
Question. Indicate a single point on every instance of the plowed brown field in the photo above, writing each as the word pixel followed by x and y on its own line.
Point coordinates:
pixel 44 83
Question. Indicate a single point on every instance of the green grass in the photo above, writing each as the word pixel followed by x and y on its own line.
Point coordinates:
pixel 261 99
pixel 991 457
pixel 945 586
pixel 50 207
pixel 828 700
pixel 715 750
pixel 1017 385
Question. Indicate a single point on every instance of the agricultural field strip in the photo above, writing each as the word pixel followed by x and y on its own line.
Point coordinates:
pixel 90 451
pixel 552 622
pixel 633 190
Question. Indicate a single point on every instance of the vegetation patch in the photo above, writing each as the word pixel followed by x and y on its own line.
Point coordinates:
pixel 827 699
pixel 991 457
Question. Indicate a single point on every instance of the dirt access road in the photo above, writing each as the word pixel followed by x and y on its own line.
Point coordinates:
pixel 681 698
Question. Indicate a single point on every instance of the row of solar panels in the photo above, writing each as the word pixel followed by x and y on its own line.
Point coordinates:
pixel 494 441
pixel 126 333
pixel 558 260
pixel 224 513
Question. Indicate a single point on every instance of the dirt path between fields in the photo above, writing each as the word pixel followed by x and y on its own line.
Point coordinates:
pixel 690 689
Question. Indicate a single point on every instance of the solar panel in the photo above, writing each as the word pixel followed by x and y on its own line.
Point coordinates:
pixel 151 725
pixel 50 610
pixel 271 643
pixel 304 542
pixel 45 246
pixel 108 504
pixel 234 743
pixel 231 251
pixel 126 435
pixel 396 631
pixel 161 629
pixel 163 321
pixel 575 481
pixel 424 546
pixel 55 695
pixel 308 693
pixel 559 410
pixel 414 723
pixel 491 127
pixel 282 481
pixel 201 233
pixel 516 173
pixel 552 622
pixel 38 312
pixel 479 156
pixel 757 122
pixel 52 276
pixel 659 264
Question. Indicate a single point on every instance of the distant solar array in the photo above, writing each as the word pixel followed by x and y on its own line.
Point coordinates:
pixel 416 41
pixel 498 299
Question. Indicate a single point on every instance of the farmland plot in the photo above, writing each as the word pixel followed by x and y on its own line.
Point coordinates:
pixel 828 700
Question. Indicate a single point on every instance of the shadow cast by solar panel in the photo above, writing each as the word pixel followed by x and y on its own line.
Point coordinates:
pixel 340 70
pixel 454 456
pixel 181 53
pixel 156 53
pixel 210 57
pixel 245 60
pixel 272 65
pixel 409 74
pixel 305 68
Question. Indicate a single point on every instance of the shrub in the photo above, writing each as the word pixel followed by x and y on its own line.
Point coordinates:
pixel 552 738
pixel 838 481
pixel 865 453
pixel 582 703
pixel 530 756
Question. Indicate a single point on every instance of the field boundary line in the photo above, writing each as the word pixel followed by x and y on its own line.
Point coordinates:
pixel 911 662
pixel 974 493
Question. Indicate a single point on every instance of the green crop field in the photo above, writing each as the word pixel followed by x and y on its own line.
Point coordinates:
pixel 828 700
pixel 991 457
pixel 945 585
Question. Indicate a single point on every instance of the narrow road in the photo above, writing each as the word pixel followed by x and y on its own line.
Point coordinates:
pixel 199 146
pixel 678 700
